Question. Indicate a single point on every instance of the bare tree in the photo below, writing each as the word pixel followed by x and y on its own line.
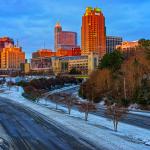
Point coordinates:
pixel 87 107
pixel 56 98
pixel 116 112
pixel 69 100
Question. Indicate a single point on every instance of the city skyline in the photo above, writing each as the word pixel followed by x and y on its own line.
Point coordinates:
pixel 33 26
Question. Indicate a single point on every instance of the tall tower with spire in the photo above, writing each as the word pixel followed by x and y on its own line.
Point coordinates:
pixel 65 40
pixel 58 30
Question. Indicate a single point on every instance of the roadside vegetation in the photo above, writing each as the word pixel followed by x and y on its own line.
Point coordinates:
pixel 120 79
pixel 35 88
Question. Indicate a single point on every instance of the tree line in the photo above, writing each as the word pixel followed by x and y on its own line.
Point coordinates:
pixel 121 80
pixel 36 87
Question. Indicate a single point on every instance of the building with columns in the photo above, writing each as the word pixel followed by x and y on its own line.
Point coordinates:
pixel 85 63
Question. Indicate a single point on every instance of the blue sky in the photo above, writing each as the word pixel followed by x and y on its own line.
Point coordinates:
pixel 32 21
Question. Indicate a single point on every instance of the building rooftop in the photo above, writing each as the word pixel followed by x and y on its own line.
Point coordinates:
pixel 89 10
pixel 57 25
pixel 69 57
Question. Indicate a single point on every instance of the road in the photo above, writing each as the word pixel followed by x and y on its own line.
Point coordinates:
pixel 133 119
pixel 30 130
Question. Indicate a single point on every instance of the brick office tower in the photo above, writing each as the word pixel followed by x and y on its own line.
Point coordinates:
pixel 64 39
pixel 93 32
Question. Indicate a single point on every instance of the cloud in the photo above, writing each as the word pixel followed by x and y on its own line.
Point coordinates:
pixel 33 21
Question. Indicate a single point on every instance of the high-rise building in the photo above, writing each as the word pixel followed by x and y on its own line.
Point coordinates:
pixel 64 39
pixel 6 41
pixel 93 32
pixel 112 42
pixel 11 56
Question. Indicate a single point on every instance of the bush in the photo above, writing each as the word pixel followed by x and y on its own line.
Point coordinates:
pixel 34 88
pixel 23 83
pixel 74 71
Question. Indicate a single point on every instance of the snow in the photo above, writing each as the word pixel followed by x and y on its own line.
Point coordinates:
pixel 128 131
pixel 3 141
pixel 141 113
pixel 78 97
pixel 97 130
pixel 134 107
pixel 26 78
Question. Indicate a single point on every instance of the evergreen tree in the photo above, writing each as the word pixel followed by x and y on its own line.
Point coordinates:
pixel 112 61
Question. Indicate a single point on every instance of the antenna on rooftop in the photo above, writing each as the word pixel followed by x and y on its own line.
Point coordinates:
pixel 17 43
pixel 44 44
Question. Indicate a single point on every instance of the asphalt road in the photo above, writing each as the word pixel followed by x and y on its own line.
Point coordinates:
pixel 30 130
pixel 133 119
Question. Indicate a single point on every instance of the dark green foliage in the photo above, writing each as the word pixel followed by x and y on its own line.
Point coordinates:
pixel 22 83
pixel 82 94
pixel 28 96
pixel 142 94
pixel 36 87
pixel 145 44
pixel 125 102
pixel 32 93
pixel 74 71
pixel 112 61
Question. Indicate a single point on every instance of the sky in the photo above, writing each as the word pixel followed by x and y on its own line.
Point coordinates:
pixel 32 22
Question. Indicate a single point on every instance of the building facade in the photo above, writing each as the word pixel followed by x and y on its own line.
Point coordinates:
pixel 64 39
pixel 43 53
pixel 41 64
pixel 128 46
pixel 72 52
pixel 25 67
pixel 41 60
pixel 85 63
pixel 112 42
pixel 11 56
pixel 93 32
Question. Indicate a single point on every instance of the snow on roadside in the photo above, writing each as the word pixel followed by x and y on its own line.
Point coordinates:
pixel 141 113
pixel 131 132
pixel 5 141
pixel 98 130
pixel 61 89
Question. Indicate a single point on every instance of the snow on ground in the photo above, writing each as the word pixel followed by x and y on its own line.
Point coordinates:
pixel 26 78
pixel 3 142
pixel 130 132
pixel 141 113
pixel 97 130
pixel 134 109
pixel 62 89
